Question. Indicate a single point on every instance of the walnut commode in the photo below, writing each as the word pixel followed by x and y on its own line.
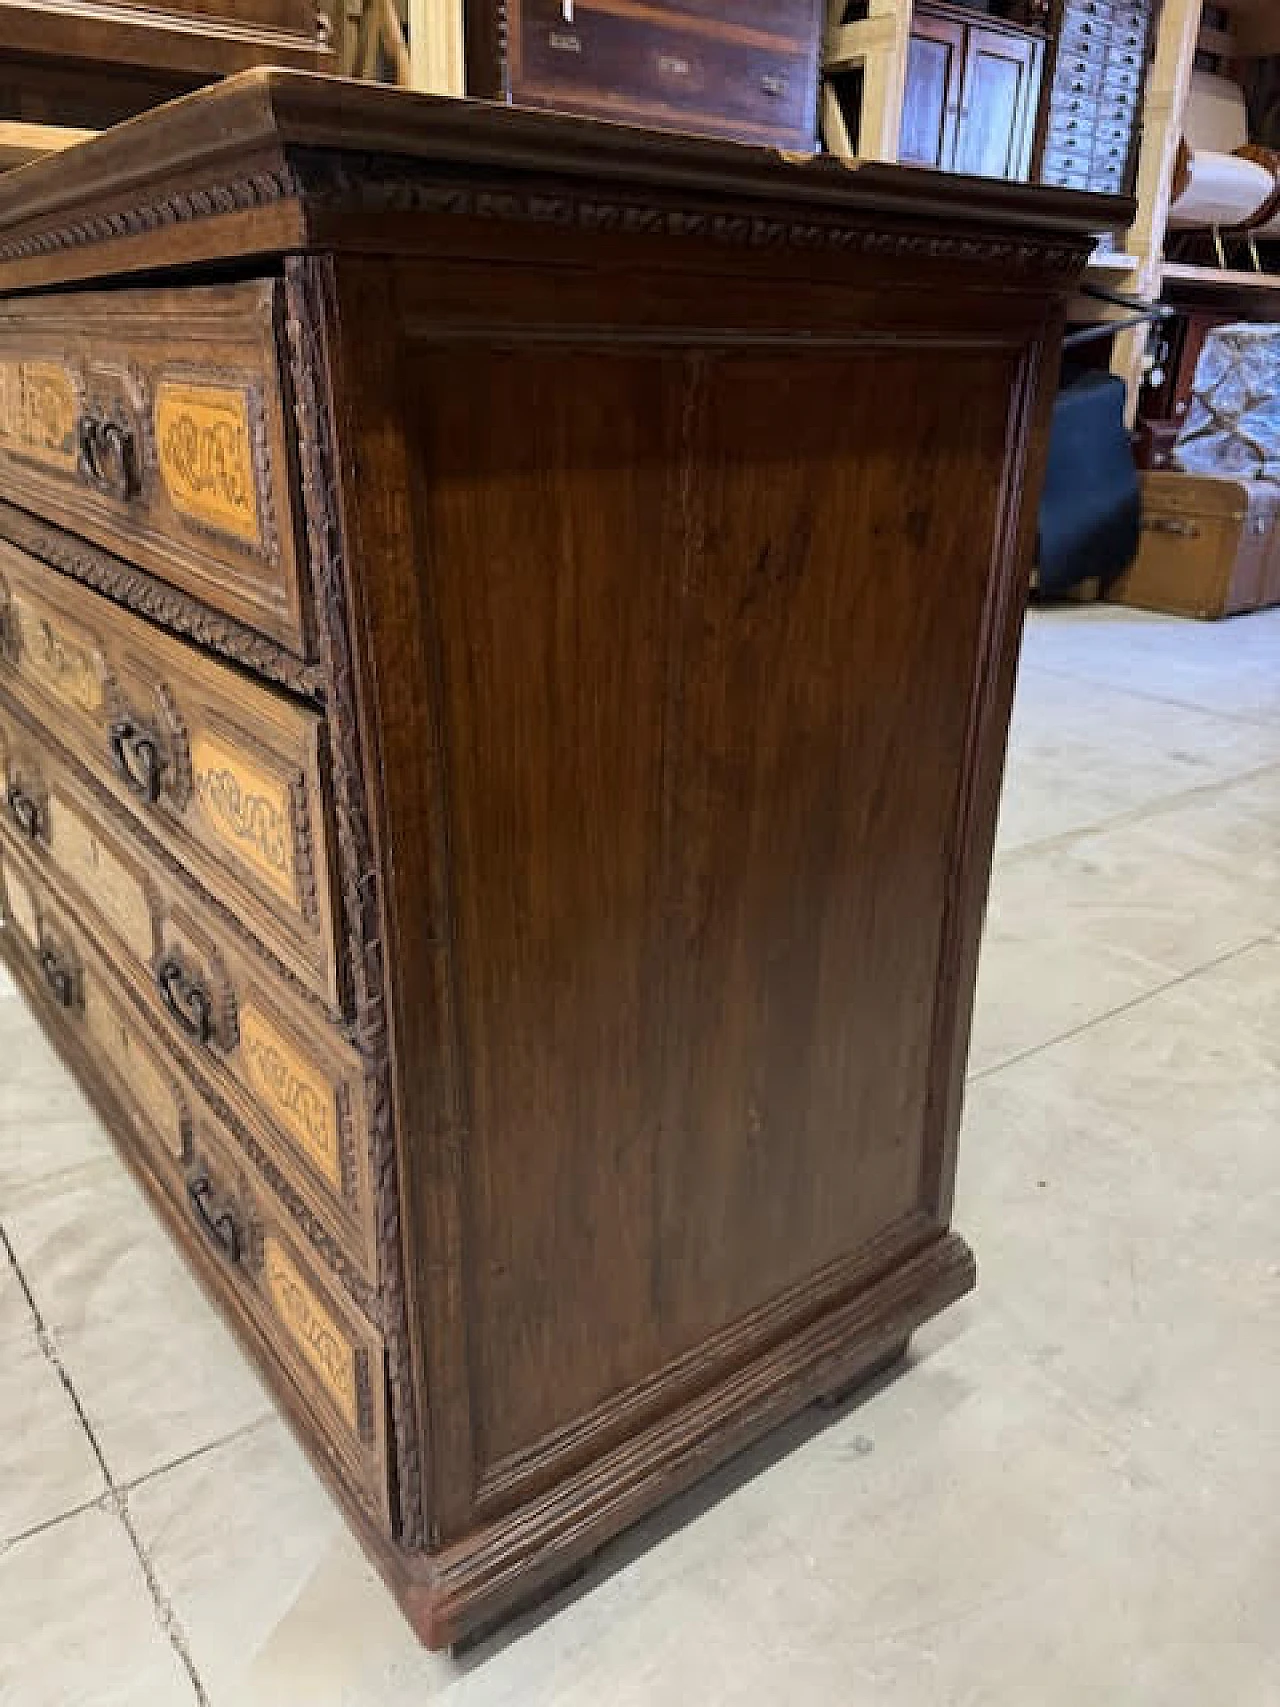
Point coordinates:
pixel 507 631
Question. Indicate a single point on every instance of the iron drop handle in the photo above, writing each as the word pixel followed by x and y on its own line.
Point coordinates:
pixel 186 999
pixel 108 457
pixel 217 1220
pixel 135 753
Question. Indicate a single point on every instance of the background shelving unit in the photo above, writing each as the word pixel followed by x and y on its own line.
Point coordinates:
pixel 416 44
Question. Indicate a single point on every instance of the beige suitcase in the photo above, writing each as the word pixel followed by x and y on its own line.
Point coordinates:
pixel 1210 546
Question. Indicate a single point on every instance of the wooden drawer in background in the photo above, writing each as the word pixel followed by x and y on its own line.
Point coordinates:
pixel 227 774
pixel 684 73
pixel 153 422
pixel 294 1083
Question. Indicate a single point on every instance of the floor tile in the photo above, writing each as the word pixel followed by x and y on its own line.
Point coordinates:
pixel 47 1465
pixel 157 1374
pixel 1224 667
pixel 1078 927
pixel 78 1627
pixel 1082 754
pixel 16 1319
pixel 1123 1193
pixel 35 1092
pixel 1234 827
pixel 857 1545
pixel 245 1539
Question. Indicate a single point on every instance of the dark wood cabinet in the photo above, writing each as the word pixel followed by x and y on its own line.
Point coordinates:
pixel 507 633
pixel 740 69
pixel 94 62
pixel 971 96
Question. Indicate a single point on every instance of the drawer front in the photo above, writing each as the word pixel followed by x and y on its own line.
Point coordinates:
pixel 1090 10
pixel 293 1082
pixel 332 1358
pixel 1067 164
pixel 1087 38
pixel 626 67
pixel 1122 76
pixel 1077 76
pixel 1110 156
pixel 1071 129
pixel 311 1334
pixel 225 773
pixel 81 985
pixel 153 423
pixel 297 1087
pixel 1066 177
pixel 45 811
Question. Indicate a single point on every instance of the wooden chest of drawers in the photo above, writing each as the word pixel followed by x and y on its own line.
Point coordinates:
pixel 95 62
pixel 729 68
pixel 506 636
pixel 1092 116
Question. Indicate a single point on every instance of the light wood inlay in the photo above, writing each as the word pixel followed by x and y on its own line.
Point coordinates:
pixel 247 808
pixel 133 1065
pixel 117 893
pixel 206 456
pixel 327 1350
pixel 22 905
pixel 293 1090
pixel 38 410
pixel 63 660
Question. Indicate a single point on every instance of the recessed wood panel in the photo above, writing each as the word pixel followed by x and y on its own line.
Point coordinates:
pixel 707 643
pixel 847 515
pixel 553 551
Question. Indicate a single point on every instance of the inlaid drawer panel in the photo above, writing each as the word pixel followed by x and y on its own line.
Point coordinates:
pixel 291 1080
pixel 109 1026
pixel 332 1357
pixel 299 1088
pixel 45 810
pixel 224 772
pixel 153 423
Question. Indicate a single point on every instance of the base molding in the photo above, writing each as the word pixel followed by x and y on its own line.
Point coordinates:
pixel 472 1582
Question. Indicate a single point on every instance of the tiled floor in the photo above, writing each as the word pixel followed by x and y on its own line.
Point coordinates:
pixel 1071 1498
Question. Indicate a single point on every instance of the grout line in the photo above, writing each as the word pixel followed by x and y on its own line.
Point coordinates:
pixel 1123 1007
pixel 115 1499
pixel 1158 808
pixel 11 1541
pixel 1111 686
pixel 196 1452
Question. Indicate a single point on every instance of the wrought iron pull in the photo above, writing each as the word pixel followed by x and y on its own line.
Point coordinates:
pixel 108 456
pixel 136 756
pixel 186 999
pixel 25 811
pixel 59 977
pixel 217 1220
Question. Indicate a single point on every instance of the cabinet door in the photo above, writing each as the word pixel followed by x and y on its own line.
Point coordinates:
pixel 998 99
pixel 931 103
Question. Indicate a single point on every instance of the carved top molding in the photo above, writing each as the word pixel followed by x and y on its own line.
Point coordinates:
pixel 263 161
